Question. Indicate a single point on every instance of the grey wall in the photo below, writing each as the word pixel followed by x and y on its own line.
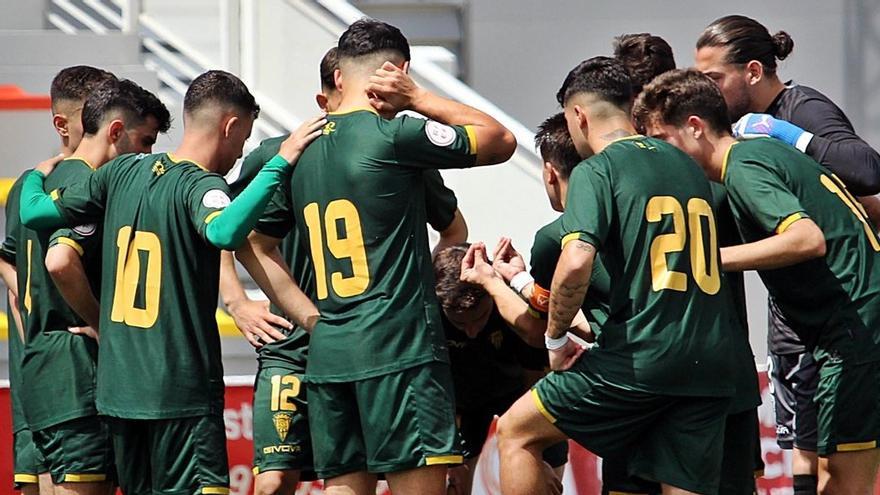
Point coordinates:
pixel 520 50
pixel 22 14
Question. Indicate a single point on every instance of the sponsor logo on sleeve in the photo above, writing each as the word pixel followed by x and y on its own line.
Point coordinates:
pixel 86 229
pixel 215 198
pixel 439 134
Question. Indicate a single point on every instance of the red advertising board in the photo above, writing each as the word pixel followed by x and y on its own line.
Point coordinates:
pixel 582 474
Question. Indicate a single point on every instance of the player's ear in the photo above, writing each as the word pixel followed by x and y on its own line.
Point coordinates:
pixel 115 131
pixel 754 72
pixel 59 121
pixel 337 79
pixel 322 100
pixel 696 126
pixel 580 115
pixel 406 67
pixel 550 173
pixel 230 124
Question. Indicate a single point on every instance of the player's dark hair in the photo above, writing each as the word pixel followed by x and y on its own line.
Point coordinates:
pixel 451 292
pixel 747 39
pixel 603 77
pixel 677 94
pixel 368 36
pixel 217 87
pixel 329 64
pixel 555 145
pixel 125 96
pixel 645 57
pixel 77 82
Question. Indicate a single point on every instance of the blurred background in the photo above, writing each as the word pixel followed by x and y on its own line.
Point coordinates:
pixel 507 57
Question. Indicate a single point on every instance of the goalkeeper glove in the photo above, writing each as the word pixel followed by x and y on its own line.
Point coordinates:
pixel 754 125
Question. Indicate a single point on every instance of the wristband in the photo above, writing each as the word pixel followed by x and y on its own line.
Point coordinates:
pixel 553 344
pixel 520 281
pixel 540 299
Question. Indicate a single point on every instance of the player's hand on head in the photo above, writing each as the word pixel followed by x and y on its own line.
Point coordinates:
pixel 89 332
pixel 256 323
pixel 506 260
pixel 563 358
pixel 47 166
pixel 293 146
pixel 391 89
pixel 475 266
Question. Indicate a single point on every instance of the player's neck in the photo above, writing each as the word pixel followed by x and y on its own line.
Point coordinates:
pixel 354 100
pixel 766 93
pixel 604 132
pixel 717 156
pixel 93 151
pixel 199 148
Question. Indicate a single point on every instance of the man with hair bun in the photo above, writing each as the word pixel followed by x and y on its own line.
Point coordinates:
pixel 740 55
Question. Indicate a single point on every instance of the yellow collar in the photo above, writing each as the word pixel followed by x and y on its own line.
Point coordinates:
pixel 176 160
pixel 353 110
pixel 82 160
pixel 726 158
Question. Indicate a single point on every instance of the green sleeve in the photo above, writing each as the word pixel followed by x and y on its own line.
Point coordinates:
pixel 589 205
pixel 13 222
pixel 252 164
pixel 759 193
pixel 38 210
pixel 545 254
pixel 440 201
pixel 424 143
pixel 229 228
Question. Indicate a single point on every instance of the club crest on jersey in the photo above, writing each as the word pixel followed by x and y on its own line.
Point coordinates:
pixel 215 198
pixel 497 338
pixel 86 229
pixel 329 128
pixel 439 134
pixel 282 424
pixel 158 168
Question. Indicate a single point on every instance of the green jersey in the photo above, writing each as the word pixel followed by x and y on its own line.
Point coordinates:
pixel 160 348
pixel 16 345
pixel 833 301
pixel 545 255
pixel 278 221
pixel 647 207
pixel 57 363
pixel 358 193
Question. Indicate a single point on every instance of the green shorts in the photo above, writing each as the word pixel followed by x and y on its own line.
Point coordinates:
pixel 281 424
pixel 393 422
pixel 741 462
pixel 77 451
pixel 849 406
pixel 668 439
pixel 181 456
pixel 27 461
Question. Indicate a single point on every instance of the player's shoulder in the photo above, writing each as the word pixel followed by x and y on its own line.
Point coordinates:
pixel 550 231
pixel 547 240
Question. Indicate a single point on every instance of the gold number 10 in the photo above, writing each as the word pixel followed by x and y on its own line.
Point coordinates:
pixel 128 274
pixel 708 278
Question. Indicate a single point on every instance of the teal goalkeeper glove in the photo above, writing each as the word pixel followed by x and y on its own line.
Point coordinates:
pixel 754 125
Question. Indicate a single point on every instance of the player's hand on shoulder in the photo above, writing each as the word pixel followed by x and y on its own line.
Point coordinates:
pixel 506 260
pixel 256 323
pixel 564 358
pixel 475 266
pixel 47 166
pixel 755 125
pixel 392 90
pixel 293 146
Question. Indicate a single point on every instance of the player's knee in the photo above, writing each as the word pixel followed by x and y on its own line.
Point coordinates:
pixel 510 434
pixel 275 483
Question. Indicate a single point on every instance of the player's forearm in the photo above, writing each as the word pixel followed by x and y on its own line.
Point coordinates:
pixel 230 228
pixel 495 143
pixel 802 241
pixel 67 271
pixel 853 160
pixel 38 211
pixel 515 313
pixel 231 289
pixel 16 314
pixel 272 275
pixel 570 282
pixel 7 272
pixel 455 233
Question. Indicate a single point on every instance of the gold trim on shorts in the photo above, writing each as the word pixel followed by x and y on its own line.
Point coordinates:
pixel 26 478
pixel 84 478
pixel 854 447
pixel 540 405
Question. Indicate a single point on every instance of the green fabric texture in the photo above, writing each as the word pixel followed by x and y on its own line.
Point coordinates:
pixel 38 210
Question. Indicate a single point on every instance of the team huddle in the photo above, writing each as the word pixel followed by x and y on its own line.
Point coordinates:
pixel 380 358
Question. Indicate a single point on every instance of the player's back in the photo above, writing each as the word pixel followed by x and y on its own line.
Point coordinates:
pixel 161 283
pixel 360 207
pixel 669 311
pixel 840 289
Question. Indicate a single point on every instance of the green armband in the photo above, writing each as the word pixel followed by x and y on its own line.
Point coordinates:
pixel 38 210
pixel 235 222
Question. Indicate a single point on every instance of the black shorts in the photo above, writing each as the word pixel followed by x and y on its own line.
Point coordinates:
pixel 793 382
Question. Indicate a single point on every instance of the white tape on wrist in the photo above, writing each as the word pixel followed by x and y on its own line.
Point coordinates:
pixel 520 281
pixel 803 141
pixel 554 344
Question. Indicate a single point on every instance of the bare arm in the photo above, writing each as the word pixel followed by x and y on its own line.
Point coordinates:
pixel 67 271
pixel 455 233
pixel 570 282
pixel 15 314
pixel 801 241
pixel 7 273
pixel 253 318
pixel 260 256
pixel 395 90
